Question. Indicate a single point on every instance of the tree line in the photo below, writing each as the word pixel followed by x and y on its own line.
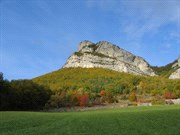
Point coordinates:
pixel 84 87
pixel 22 95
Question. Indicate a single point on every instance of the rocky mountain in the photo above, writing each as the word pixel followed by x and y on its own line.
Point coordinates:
pixel 176 73
pixel 165 71
pixel 106 55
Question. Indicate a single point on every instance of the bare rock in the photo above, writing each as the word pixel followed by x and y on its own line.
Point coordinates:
pixel 84 45
pixel 175 75
pixel 106 55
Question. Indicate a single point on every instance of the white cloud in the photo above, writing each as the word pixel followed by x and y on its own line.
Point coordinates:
pixel 142 16
pixel 148 16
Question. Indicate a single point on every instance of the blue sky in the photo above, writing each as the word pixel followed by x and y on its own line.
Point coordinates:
pixel 37 36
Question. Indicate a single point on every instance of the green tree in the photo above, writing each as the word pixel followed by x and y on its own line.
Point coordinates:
pixel 5 95
pixel 132 97
pixel 1 76
pixel 29 95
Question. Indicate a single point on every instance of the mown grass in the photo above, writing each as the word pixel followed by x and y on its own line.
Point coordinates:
pixel 153 120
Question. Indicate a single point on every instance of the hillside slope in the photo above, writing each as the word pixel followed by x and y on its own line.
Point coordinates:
pixel 97 79
pixel 165 71
pixel 171 70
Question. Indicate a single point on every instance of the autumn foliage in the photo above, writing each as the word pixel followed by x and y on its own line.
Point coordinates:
pixel 103 93
pixel 92 86
pixel 82 99
pixel 169 95
pixel 132 97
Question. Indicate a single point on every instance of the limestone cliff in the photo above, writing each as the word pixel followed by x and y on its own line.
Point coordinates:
pixel 106 55
pixel 176 74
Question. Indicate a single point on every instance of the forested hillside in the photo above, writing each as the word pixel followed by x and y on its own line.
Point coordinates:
pixel 97 79
pixel 93 83
pixel 85 87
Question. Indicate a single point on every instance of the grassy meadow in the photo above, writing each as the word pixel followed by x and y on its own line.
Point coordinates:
pixel 154 120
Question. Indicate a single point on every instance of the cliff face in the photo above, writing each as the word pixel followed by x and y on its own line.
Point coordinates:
pixel 106 55
pixel 176 74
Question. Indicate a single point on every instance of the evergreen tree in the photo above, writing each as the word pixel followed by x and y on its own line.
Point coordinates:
pixel 1 76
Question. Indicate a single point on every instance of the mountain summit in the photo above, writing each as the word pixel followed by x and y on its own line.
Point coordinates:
pixel 107 55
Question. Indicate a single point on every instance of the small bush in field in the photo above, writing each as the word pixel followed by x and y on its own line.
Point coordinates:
pixel 178 93
pixel 141 100
pixel 157 100
pixel 103 93
pixel 82 99
pixel 132 97
pixel 169 95
pixel 106 96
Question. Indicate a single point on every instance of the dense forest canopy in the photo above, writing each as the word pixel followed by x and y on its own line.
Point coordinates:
pixel 22 95
pixel 96 79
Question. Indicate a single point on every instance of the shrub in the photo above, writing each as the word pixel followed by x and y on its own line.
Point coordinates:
pixel 155 92
pixel 178 93
pixel 110 98
pixel 157 100
pixel 78 54
pixel 83 99
pixel 132 97
pixel 169 95
pixel 106 97
pixel 103 93
pixel 141 100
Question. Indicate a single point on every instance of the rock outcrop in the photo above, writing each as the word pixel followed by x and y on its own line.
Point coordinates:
pixel 176 74
pixel 106 55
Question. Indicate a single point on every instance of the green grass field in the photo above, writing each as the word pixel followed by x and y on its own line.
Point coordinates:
pixel 153 120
